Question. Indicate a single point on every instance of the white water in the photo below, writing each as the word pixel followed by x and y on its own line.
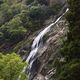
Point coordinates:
pixel 37 43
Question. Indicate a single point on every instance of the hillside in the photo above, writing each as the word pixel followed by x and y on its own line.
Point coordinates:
pixel 19 20
pixel 39 40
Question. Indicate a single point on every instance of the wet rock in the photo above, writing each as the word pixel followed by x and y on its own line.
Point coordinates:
pixel 39 77
pixel 50 51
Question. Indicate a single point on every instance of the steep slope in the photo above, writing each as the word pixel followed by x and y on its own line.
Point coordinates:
pixel 70 69
pixel 53 37
pixel 50 52
pixel 18 21
pixel 22 22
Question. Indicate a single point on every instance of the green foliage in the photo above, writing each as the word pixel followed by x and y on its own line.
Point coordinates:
pixel 7 12
pixel 13 30
pixel 29 1
pixel 11 66
pixel 1 37
pixel 36 12
pixel 54 9
pixel 43 2
pixel 19 18
pixel 74 19
pixel 70 71
pixel 72 48
pixel 37 16
pixel 25 19
pixel 1 1
pixel 10 2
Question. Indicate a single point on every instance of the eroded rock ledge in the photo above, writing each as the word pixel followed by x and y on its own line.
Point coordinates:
pixel 50 51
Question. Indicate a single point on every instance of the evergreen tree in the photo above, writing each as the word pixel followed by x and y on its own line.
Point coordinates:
pixel 72 47
pixel 11 66
pixel 70 70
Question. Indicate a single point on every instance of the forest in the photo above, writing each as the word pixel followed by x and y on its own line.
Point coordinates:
pixel 20 23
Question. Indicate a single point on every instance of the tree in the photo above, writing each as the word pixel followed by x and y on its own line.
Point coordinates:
pixel 72 45
pixel 13 30
pixel 28 1
pixel 37 14
pixel 70 70
pixel 11 66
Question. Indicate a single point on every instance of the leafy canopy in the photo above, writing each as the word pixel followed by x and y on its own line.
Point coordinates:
pixel 11 66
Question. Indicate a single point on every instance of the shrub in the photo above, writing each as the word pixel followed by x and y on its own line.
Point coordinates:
pixel 11 66
pixel 70 71
pixel 13 31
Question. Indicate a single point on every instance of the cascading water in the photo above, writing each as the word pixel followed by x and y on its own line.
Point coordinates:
pixel 37 44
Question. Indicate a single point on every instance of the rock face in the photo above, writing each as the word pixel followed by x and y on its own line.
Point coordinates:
pixel 49 52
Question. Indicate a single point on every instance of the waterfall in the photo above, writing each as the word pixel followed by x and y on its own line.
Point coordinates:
pixel 37 44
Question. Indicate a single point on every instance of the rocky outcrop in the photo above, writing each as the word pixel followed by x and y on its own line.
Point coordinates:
pixel 50 51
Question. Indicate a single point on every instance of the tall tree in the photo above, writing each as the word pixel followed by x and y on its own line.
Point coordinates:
pixel 11 66
pixel 70 70
pixel 72 45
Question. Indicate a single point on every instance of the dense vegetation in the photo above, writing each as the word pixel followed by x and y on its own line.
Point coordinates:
pixel 70 68
pixel 11 66
pixel 20 18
